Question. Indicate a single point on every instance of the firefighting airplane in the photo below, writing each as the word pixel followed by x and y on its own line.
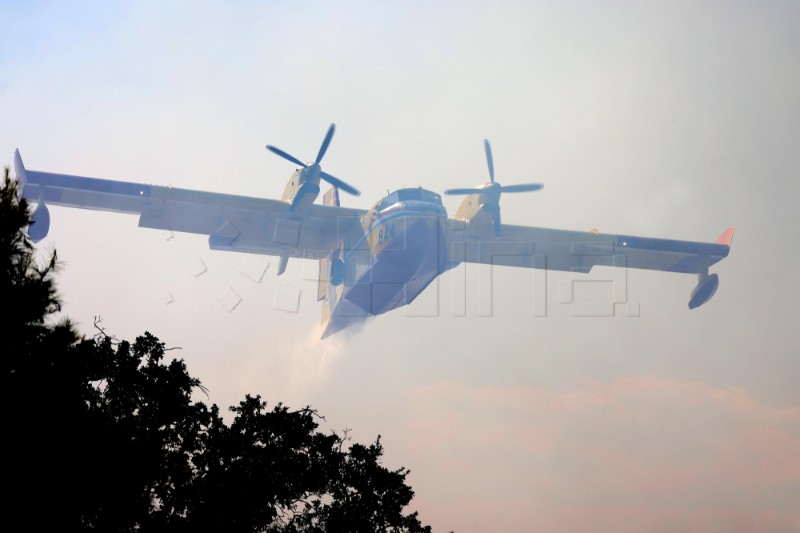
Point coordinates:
pixel 370 261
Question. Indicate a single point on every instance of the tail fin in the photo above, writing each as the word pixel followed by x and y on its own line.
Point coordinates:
pixel 331 197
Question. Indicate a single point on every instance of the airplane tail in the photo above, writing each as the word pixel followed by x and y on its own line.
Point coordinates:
pixel 326 291
pixel 329 198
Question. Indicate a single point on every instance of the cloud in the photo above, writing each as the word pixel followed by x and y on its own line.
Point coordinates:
pixel 639 453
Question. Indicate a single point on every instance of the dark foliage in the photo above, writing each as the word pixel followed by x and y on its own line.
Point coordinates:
pixel 105 436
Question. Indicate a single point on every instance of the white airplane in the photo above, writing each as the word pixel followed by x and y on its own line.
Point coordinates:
pixel 370 261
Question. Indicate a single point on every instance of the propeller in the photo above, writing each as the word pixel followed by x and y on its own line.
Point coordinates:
pixel 315 167
pixel 493 190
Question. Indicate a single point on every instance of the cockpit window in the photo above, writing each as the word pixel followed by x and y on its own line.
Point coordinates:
pixel 405 195
pixel 409 194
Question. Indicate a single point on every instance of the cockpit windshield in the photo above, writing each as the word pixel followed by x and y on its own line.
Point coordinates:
pixel 405 195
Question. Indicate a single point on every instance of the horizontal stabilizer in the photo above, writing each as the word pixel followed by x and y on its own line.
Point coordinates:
pixel 727 237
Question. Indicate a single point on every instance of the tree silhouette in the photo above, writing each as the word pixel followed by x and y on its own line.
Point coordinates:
pixel 103 435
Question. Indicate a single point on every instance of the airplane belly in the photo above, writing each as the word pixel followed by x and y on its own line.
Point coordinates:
pixel 402 268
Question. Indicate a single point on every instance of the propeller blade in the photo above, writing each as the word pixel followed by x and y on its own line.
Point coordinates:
pixel 325 143
pixel 284 155
pixel 336 182
pixel 489 159
pixel 521 188
pixel 463 191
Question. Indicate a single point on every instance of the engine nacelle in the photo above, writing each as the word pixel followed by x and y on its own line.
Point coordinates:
pixel 704 291
pixel 40 225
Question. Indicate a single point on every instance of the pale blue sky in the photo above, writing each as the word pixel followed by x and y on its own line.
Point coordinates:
pixel 671 119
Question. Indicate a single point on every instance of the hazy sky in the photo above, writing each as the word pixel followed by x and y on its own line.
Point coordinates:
pixel 668 119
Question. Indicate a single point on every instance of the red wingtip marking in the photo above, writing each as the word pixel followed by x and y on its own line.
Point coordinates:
pixel 727 237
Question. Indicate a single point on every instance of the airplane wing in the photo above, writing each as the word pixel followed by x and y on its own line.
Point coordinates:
pixel 577 251
pixel 235 223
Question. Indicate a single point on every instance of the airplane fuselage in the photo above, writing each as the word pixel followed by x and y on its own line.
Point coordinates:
pixel 395 253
